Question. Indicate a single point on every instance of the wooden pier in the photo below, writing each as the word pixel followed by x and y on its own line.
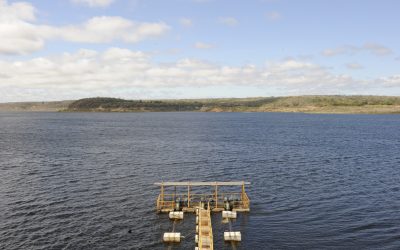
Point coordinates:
pixel 203 198
pixel 170 198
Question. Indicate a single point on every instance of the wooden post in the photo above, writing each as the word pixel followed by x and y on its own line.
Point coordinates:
pixel 188 195
pixel 216 195
pixel 162 194
pixel 243 191
pixel 174 193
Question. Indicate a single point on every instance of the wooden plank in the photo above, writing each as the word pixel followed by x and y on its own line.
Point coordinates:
pixel 206 241
pixel 201 183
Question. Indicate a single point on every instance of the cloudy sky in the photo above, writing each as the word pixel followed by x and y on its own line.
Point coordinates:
pixel 146 49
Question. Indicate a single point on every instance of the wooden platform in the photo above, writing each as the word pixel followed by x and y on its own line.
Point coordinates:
pixel 203 202
pixel 190 199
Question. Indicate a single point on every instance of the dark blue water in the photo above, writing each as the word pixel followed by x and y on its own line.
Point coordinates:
pixel 83 180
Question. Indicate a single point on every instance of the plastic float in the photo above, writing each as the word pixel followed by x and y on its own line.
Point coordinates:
pixel 229 214
pixel 176 215
pixel 232 236
pixel 172 237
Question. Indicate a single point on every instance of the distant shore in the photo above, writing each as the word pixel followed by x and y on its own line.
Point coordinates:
pixel 298 104
pixel 34 106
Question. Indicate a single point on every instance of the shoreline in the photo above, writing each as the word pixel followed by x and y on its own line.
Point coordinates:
pixel 290 104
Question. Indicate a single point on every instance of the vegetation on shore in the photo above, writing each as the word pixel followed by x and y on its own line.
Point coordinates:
pixel 307 104
pixel 34 106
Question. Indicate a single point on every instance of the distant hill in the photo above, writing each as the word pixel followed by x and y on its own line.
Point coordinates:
pixel 34 106
pixel 210 105
pixel 308 104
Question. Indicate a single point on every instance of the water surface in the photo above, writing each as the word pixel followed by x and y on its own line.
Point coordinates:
pixel 83 180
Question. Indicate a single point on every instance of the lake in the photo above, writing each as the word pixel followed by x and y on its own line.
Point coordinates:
pixel 85 180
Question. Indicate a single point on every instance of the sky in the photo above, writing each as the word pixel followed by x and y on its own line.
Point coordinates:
pixel 157 49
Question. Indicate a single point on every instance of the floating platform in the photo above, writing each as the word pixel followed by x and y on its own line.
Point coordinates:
pixel 203 198
pixel 173 198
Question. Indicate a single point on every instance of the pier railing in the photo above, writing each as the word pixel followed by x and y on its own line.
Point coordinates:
pixel 237 201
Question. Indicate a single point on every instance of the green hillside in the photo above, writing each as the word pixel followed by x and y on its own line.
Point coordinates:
pixel 308 104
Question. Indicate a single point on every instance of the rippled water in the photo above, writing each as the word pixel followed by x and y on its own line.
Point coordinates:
pixel 83 180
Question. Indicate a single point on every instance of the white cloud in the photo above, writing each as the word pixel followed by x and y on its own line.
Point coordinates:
pixel 354 66
pixel 377 49
pixel 20 34
pixel 186 22
pixel 19 38
pixel 116 69
pixel 229 21
pixel 339 51
pixel 201 45
pixel 94 3
pixel 17 34
pixel 273 15
pixel 106 29
pixel 373 48
pixel 16 11
pixel 390 81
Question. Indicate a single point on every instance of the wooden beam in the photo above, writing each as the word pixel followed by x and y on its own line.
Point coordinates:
pixel 162 194
pixel 243 190
pixel 174 193
pixel 200 183
pixel 216 195
pixel 188 195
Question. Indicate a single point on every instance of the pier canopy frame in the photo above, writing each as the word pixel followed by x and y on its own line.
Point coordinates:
pixel 190 198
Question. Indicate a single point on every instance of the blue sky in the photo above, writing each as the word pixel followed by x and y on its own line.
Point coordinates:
pixel 69 49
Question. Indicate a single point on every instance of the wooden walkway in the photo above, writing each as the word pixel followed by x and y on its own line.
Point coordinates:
pixel 205 241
